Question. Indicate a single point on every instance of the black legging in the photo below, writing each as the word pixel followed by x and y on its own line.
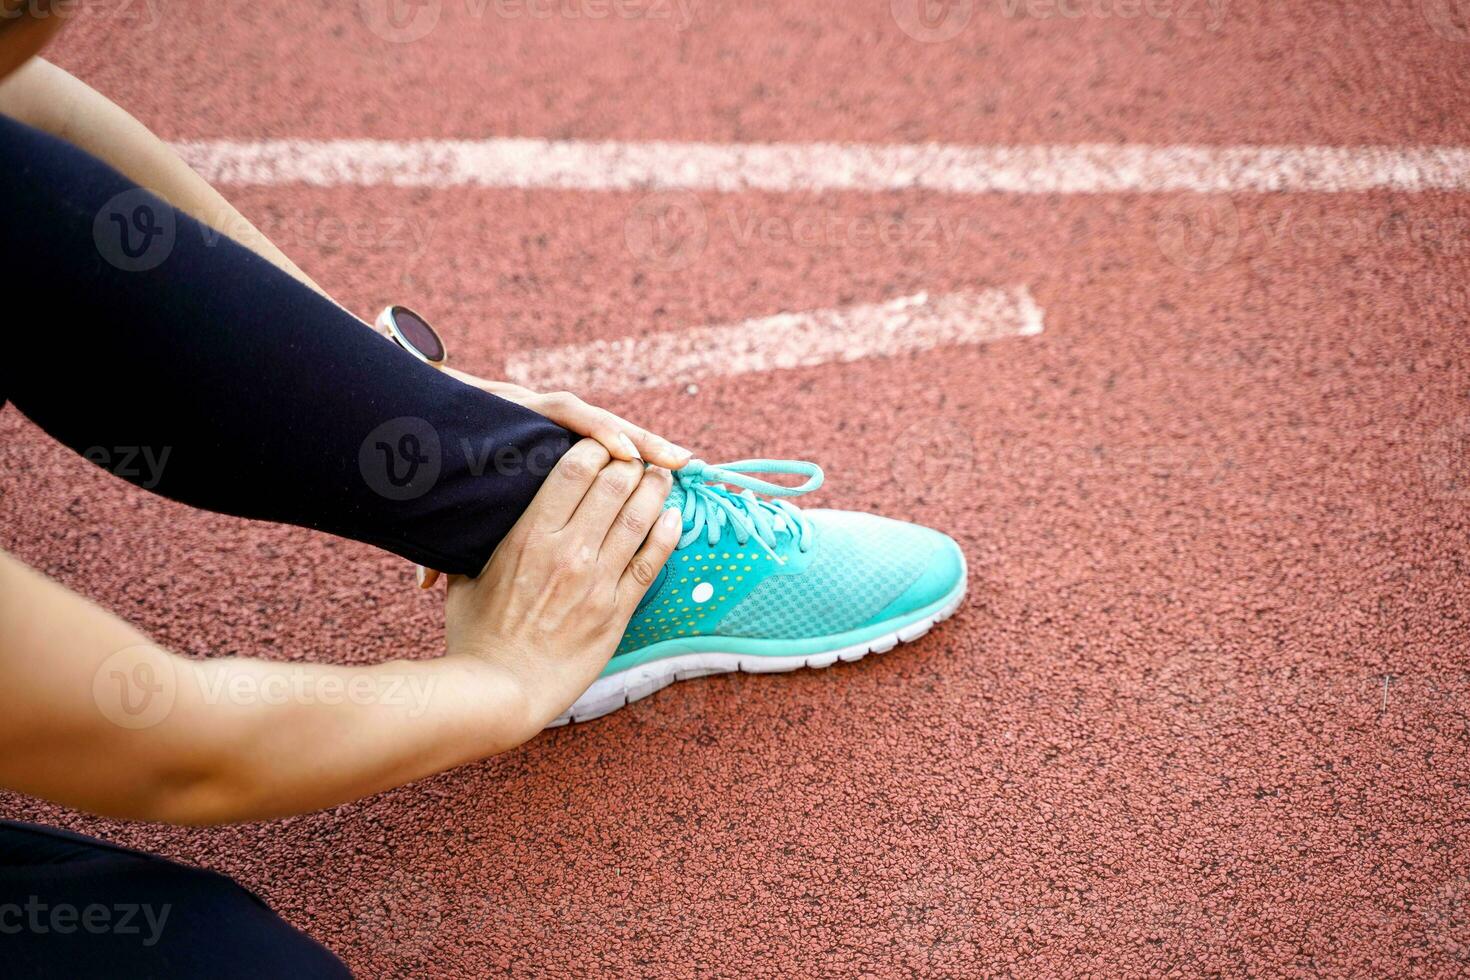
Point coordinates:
pixel 71 906
pixel 185 363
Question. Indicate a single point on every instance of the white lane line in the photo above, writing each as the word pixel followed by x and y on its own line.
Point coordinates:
pixel 612 166
pixel 787 340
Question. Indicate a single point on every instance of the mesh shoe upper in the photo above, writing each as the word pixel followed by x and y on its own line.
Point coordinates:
pixel 796 574
pixel 860 564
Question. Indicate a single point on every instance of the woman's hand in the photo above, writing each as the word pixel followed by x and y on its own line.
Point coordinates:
pixel 97 716
pixel 553 602
pixel 621 438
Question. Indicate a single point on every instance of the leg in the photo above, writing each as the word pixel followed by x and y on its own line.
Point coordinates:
pixel 71 906
pixel 186 363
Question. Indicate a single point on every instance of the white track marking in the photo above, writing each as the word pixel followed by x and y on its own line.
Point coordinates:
pixel 951 169
pixel 786 340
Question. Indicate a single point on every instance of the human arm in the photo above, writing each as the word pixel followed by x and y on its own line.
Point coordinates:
pixel 101 718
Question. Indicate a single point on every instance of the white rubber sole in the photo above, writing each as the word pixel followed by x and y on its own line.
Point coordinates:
pixel 608 694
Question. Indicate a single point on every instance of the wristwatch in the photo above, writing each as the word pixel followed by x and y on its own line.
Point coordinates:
pixel 412 332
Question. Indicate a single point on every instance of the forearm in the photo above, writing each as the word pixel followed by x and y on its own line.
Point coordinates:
pixel 264 739
pixel 104 720
pixel 44 96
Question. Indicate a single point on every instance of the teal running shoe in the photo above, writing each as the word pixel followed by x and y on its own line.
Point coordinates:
pixel 758 585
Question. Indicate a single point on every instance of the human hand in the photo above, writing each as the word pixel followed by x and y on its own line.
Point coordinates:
pixel 553 602
pixel 621 438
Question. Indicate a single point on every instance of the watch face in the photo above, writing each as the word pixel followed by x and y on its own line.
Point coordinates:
pixel 418 334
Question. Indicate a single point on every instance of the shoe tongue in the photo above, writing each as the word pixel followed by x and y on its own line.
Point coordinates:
pixel 676 496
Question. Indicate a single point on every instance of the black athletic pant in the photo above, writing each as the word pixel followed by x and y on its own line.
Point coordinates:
pixel 73 907
pixel 187 364
pixel 182 361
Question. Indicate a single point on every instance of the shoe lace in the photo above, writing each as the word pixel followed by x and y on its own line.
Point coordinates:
pixel 711 509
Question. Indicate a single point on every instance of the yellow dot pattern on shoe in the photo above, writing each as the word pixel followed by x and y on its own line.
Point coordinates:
pixel 699 589
pixel 856 567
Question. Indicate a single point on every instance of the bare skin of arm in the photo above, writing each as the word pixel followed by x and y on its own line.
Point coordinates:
pixel 99 717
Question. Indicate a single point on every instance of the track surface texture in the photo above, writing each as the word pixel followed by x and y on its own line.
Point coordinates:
pixel 1205 707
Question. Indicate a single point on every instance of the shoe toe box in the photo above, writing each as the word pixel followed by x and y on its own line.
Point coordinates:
pixel 863 570
pixel 943 573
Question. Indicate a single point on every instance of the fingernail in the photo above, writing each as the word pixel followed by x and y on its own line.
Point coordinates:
pixel 679 450
pixel 628 446
pixel 671 518
pixel 420 573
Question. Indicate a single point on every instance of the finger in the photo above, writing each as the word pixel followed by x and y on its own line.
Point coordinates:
pixel 643 569
pixel 569 411
pixel 636 520
pixel 656 449
pixel 566 485
pixel 603 502
pixel 621 438
pixel 649 447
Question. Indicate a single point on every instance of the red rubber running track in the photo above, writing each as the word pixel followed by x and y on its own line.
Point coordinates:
pixel 1206 708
